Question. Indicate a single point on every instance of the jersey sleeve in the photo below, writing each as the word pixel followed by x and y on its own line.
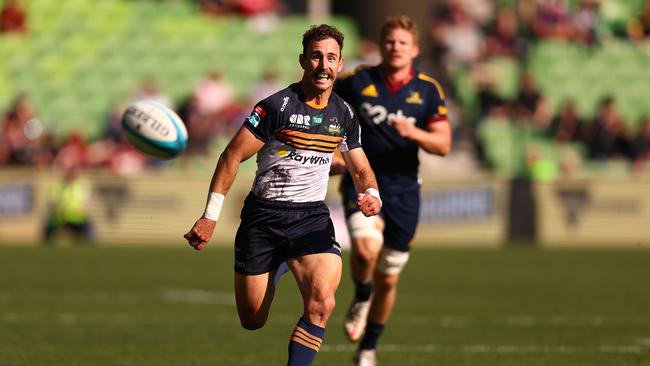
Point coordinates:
pixel 263 122
pixel 437 108
pixel 352 137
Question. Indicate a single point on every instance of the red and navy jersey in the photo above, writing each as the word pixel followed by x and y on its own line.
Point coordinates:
pixel 299 140
pixel 421 100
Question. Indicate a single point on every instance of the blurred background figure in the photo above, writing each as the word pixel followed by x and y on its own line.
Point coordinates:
pixel 13 17
pixel 68 202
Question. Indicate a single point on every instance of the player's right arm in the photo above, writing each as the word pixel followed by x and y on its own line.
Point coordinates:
pixel 364 180
pixel 242 146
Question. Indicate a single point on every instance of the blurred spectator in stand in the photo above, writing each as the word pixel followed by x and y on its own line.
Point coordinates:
pixel 585 22
pixel 206 112
pixel 528 98
pixel 18 127
pixel 608 137
pixel 462 38
pixel 150 90
pixel 638 28
pixel 553 20
pixel 216 7
pixel 567 127
pixel 642 142
pixel 13 17
pixel 68 205
pixel 73 153
pixel 504 40
pixel 368 54
pixel 269 84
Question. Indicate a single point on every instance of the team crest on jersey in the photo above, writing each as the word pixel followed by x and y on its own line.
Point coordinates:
pixel 414 98
pixel 370 91
pixel 335 129
pixel 317 119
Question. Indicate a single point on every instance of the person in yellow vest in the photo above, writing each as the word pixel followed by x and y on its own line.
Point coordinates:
pixel 68 203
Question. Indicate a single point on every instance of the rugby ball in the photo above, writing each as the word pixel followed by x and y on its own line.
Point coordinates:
pixel 154 129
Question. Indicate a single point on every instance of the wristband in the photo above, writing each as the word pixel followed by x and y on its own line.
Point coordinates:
pixel 375 193
pixel 213 207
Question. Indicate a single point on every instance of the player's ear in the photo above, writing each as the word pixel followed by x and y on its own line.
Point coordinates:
pixel 341 62
pixel 416 51
pixel 301 60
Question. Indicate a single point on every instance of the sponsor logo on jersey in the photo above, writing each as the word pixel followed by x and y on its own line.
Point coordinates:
pixel 414 98
pixel 378 114
pixel 308 159
pixel 300 120
pixel 285 100
pixel 370 91
pixel 317 119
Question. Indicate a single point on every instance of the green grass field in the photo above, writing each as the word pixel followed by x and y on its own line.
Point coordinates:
pixel 174 306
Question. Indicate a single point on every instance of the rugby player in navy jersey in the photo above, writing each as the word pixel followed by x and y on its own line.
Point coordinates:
pixel 294 134
pixel 400 111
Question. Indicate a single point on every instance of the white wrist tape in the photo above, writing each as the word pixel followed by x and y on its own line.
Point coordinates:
pixel 375 193
pixel 213 207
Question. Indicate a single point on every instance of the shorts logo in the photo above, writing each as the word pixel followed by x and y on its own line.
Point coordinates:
pixel 300 120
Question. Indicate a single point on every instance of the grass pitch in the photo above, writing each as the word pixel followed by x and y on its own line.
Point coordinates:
pixel 174 306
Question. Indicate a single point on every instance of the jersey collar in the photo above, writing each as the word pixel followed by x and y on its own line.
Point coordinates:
pixel 394 87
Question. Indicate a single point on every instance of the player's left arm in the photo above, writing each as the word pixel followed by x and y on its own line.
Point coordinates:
pixel 368 200
pixel 435 139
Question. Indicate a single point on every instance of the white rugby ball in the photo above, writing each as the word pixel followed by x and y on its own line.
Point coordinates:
pixel 154 129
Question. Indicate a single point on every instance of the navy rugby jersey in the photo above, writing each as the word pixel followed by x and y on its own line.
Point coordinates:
pixel 294 163
pixel 393 158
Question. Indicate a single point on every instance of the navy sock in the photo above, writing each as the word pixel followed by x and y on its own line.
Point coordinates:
pixel 362 291
pixel 371 337
pixel 305 342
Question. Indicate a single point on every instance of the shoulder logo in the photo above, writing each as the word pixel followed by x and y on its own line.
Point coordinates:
pixel 257 115
pixel 370 91
pixel 414 98
pixel 285 100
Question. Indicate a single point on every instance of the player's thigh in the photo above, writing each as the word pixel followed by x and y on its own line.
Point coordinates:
pixel 318 275
pixel 253 293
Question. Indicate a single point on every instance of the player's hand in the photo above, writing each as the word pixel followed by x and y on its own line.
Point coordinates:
pixel 403 126
pixel 369 205
pixel 200 233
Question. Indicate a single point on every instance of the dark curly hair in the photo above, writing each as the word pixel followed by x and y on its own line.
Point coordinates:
pixel 319 33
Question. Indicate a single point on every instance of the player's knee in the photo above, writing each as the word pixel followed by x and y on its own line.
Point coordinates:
pixel 321 306
pixel 391 262
pixel 362 227
pixel 386 282
pixel 365 252
pixel 252 323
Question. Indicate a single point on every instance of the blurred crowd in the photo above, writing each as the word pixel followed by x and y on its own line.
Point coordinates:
pixel 463 34
pixel 466 34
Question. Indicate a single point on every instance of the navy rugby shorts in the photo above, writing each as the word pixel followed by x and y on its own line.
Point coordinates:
pixel 400 211
pixel 272 231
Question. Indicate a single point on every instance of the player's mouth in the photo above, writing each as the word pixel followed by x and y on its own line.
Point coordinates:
pixel 322 76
